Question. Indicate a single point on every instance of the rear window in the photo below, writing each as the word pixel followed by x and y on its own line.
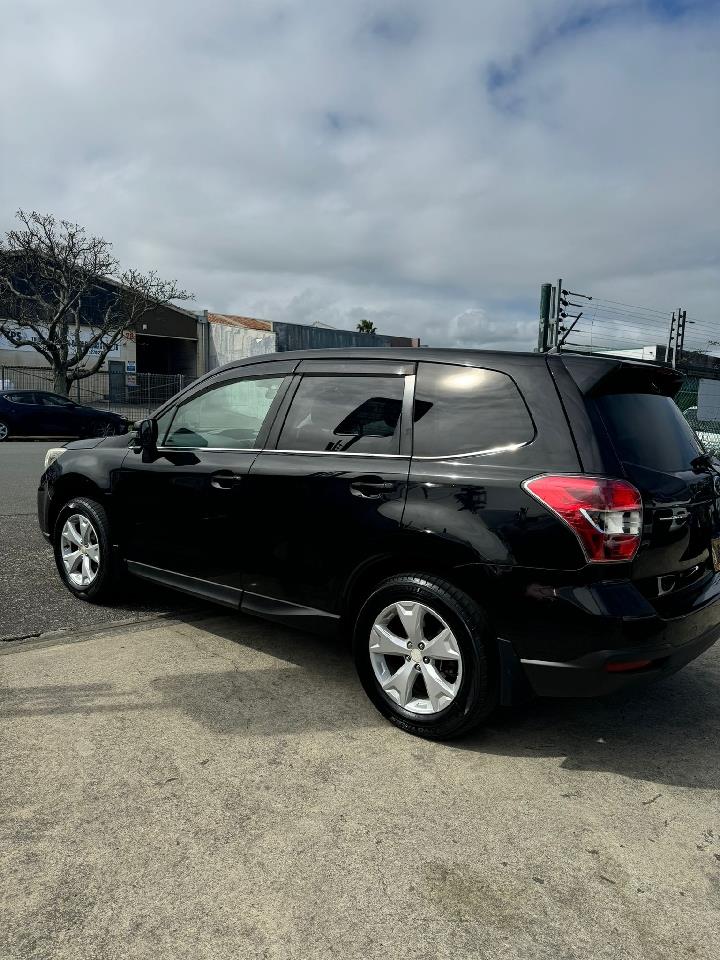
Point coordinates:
pixel 649 431
pixel 466 410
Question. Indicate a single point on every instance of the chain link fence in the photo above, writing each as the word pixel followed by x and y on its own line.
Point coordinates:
pixel 132 395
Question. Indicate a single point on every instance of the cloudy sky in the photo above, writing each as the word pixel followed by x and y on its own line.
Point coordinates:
pixel 426 163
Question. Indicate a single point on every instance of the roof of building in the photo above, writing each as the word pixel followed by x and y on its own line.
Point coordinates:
pixel 233 320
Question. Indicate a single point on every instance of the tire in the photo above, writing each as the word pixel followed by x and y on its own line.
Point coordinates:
pixel 4 431
pixel 469 687
pixel 87 520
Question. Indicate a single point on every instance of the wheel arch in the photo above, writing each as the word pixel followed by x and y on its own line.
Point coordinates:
pixel 73 485
pixel 478 580
pixel 475 579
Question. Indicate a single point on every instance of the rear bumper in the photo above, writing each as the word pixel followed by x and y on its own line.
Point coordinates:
pixel 588 676
pixel 564 637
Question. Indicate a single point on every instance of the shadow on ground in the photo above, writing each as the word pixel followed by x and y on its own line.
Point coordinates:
pixel 666 733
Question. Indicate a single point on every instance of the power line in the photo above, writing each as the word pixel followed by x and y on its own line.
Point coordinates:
pixel 632 306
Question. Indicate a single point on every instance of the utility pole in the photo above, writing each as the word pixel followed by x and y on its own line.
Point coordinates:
pixel 544 328
pixel 672 338
pixel 680 339
pixel 563 331
pixel 552 332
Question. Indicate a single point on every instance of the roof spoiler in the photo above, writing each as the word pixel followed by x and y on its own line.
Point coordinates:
pixel 595 376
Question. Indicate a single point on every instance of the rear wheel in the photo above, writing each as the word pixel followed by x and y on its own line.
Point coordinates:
pixel 425 656
pixel 4 431
pixel 83 550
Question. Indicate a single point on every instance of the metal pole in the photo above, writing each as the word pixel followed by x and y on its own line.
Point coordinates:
pixel 670 339
pixel 680 344
pixel 558 311
pixel 545 291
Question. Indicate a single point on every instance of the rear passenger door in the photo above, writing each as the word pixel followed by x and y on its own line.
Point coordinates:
pixel 329 492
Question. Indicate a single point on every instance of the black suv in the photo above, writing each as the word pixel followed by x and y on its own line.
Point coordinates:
pixel 484 524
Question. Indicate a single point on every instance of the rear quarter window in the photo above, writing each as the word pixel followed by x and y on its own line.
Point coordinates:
pixel 462 410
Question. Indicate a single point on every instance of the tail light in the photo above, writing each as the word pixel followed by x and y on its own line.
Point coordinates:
pixel 604 514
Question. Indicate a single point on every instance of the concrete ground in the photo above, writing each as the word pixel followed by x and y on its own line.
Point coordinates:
pixel 221 787
pixel 212 786
pixel 32 598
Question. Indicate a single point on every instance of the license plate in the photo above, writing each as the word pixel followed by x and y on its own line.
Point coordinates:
pixel 715 546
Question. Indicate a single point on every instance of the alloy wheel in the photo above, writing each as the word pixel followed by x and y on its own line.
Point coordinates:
pixel 415 657
pixel 3 431
pixel 80 550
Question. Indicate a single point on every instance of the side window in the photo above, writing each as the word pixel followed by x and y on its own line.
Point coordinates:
pixel 466 410
pixel 229 415
pixel 25 397
pixel 359 414
pixel 53 400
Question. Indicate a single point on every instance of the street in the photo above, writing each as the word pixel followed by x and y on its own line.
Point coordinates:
pixel 199 784
pixel 32 598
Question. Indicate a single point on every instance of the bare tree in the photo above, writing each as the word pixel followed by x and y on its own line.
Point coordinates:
pixel 63 294
pixel 366 326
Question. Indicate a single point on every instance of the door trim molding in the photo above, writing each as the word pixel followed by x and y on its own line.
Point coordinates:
pixel 195 586
pixel 290 614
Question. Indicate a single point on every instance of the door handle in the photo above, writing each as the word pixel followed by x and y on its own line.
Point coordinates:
pixel 224 480
pixel 370 489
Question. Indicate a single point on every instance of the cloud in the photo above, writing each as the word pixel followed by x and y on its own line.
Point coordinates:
pixel 425 165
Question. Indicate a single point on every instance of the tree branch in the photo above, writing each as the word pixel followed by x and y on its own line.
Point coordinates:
pixel 60 282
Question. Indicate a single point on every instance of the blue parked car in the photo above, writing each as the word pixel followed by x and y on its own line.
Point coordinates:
pixel 36 413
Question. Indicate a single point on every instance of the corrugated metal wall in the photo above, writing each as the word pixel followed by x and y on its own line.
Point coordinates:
pixel 295 336
pixel 229 343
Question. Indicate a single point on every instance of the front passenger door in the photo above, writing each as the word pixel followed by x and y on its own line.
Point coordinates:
pixel 185 512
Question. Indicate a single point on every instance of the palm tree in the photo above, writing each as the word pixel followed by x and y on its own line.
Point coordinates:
pixel 366 326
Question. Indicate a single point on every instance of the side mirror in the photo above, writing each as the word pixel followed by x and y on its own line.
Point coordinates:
pixel 147 434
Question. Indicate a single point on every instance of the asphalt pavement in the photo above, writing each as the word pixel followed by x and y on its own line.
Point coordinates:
pixel 32 598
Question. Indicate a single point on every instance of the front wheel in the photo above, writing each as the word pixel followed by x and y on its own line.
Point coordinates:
pixel 4 431
pixel 425 656
pixel 83 550
pixel 100 428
